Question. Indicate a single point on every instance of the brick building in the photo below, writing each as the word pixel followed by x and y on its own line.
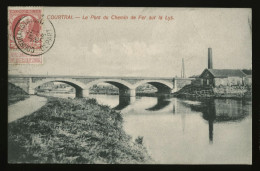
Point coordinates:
pixel 224 77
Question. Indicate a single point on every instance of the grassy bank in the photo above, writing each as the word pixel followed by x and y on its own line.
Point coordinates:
pixel 15 94
pixel 73 131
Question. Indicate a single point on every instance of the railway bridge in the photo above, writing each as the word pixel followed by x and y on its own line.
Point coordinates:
pixel 126 85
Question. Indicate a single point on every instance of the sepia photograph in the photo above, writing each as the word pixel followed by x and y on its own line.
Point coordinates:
pixel 140 85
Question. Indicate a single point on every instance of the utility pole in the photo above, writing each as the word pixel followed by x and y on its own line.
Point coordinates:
pixel 183 69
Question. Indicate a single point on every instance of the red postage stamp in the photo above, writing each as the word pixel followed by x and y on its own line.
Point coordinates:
pixel 30 36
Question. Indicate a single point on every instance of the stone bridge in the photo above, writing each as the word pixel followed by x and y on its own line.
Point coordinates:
pixel 126 85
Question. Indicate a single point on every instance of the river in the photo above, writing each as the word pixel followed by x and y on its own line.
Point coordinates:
pixel 178 131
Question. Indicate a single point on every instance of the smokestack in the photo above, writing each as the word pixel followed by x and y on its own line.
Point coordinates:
pixel 182 70
pixel 210 63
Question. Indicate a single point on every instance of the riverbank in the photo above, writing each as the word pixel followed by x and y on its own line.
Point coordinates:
pixel 15 94
pixel 73 131
pixel 194 91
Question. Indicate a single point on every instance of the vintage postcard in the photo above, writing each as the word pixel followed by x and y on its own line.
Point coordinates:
pixel 104 85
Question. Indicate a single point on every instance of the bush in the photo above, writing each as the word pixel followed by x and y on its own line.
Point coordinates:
pixel 139 140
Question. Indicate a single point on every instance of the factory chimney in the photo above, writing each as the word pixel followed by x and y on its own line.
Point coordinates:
pixel 210 63
pixel 182 70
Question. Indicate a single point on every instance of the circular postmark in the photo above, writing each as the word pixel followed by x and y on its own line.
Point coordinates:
pixel 33 36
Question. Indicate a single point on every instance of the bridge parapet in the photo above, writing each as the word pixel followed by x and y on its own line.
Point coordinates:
pixel 36 79
pixel 132 81
pixel 85 80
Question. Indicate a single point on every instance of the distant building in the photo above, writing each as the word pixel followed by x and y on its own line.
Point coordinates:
pixel 225 77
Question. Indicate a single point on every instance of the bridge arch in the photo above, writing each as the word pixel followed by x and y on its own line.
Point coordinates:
pixel 162 86
pixel 125 88
pixel 81 90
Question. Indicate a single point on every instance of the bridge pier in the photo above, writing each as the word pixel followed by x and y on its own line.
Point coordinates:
pixel 132 99
pixel 127 92
pixel 85 92
pixel 175 86
pixel 82 93
pixel 31 91
pixel 132 92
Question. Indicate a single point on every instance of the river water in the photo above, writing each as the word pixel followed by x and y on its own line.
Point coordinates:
pixel 178 131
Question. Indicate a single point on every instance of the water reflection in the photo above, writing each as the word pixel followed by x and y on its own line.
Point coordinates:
pixel 209 114
pixel 162 102
pixel 219 111
pixel 182 131
pixel 124 101
pixel 181 107
pixel 222 110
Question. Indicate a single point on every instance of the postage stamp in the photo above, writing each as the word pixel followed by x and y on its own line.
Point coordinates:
pixel 30 36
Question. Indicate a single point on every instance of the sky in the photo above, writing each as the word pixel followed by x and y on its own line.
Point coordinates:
pixel 142 47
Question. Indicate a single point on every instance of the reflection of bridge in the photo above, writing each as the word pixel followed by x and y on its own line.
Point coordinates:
pixel 162 102
pixel 126 85
pixel 125 101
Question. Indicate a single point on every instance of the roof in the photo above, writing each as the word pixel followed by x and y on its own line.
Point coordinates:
pixel 247 71
pixel 222 73
pixel 194 76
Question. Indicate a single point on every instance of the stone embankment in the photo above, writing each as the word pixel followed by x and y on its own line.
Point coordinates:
pixel 215 92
